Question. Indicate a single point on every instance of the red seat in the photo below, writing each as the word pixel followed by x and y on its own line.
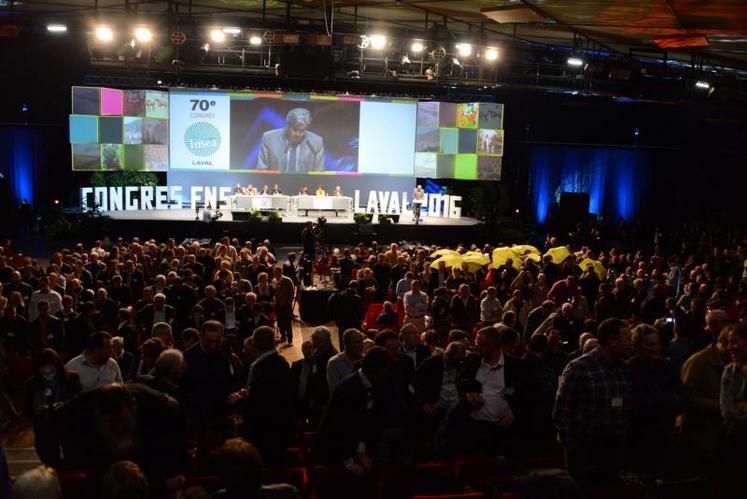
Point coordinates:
pixel 477 472
pixel 467 495
pixel 336 482
pixel 73 484
pixel 405 481
pixel 307 440
pixel 615 492
pixel 293 476
pixel 294 456
pixel 210 483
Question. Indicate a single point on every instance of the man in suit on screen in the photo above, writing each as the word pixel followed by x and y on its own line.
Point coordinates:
pixel 292 149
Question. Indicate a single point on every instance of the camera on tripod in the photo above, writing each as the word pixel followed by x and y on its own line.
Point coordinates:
pixel 318 228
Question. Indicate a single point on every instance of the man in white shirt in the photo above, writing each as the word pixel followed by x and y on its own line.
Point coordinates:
pixel 490 308
pixel 95 366
pixel 343 363
pixel 44 294
pixel 416 306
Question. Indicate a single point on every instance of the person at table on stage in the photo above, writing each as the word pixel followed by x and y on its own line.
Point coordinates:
pixel 238 189
pixel 293 148
pixel 303 191
pixel 418 198
pixel 338 191
pixel 250 190
pixel 265 191
pixel 276 190
pixel 320 191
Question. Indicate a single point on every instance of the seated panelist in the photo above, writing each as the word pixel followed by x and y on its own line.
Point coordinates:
pixel 265 191
pixel 320 191
pixel 338 191
pixel 276 190
pixel 250 190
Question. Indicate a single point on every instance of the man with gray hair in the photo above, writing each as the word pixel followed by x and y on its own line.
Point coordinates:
pixel 293 148
pixel 37 483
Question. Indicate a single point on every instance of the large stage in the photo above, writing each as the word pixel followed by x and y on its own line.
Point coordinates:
pixel 181 223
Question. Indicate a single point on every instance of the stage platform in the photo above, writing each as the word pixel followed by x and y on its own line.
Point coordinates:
pixel 181 223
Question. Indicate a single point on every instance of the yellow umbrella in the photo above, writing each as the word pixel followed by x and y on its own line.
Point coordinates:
pixel 450 261
pixel 501 256
pixel 558 254
pixel 532 256
pixel 477 259
pixel 443 252
pixel 525 249
pixel 599 269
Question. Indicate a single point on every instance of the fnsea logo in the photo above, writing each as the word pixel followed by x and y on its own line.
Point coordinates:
pixel 202 139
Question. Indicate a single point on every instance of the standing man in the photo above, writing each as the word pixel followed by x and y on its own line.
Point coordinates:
pixel 347 310
pixel 593 406
pixel 266 401
pixel 416 306
pixel 293 148
pixel 284 293
pixel 95 366
pixel 418 198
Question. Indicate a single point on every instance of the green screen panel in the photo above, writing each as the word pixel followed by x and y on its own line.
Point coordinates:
pixel 86 157
pixel 489 167
pixel 466 167
pixel 110 130
pixel 467 115
pixel 427 140
pixel 134 157
pixel 84 129
pixel 446 166
pixel 112 156
pixel 467 140
pixel 447 114
pixel 449 140
pixel 491 115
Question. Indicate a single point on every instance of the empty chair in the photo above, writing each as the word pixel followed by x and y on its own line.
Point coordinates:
pixel 405 481
pixel 336 482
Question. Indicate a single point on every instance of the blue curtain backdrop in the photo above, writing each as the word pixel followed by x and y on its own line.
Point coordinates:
pixel 21 150
pixel 612 177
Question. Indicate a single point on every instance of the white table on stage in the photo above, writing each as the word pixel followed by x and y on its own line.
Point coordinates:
pixel 260 202
pixel 324 203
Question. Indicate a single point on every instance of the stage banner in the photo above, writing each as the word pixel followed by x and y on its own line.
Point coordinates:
pixel 200 131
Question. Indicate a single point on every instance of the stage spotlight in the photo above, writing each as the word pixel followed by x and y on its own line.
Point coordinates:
pixel 464 49
pixel 104 34
pixel 575 61
pixel 378 42
pixel 143 34
pixel 255 40
pixel 456 62
pixel 56 28
pixel 232 31
pixel 491 54
pixel 56 202
pixel 417 47
pixel 702 84
pixel 217 35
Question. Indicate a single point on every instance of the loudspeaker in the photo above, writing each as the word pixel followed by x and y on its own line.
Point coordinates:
pixel 574 207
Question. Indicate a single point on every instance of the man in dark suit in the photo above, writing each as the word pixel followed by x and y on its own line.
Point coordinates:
pixel 266 402
pixel 158 311
pixel 300 371
pixel 290 269
pixel 347 309
pixel 106 311
pixel 46 331
pixel 438 277
pixel 124 358
pixel 464 309
pixel 435 388
pixel 349 429
pixel 411 345
pixel 133 278
pixel 493 390
pixel 80 329
pixel 318 389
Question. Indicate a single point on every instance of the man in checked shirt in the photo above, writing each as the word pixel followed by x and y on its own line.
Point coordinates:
pixel 592 407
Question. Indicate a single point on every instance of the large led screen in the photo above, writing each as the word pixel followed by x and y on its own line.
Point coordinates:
pixel 114 129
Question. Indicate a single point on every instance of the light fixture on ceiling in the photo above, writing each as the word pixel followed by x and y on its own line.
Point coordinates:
pixel 464 49
pixel 491 54
pixel 417 47
pixel 702 84
pixel 255 40
pixel 143 34
pixel 104 33
pixel 56 28
pixel 217 35
pixel 378 42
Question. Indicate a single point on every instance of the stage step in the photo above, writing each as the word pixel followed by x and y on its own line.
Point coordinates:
pixel 21 459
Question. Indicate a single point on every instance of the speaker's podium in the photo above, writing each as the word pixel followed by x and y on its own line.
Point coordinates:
pixel 574 208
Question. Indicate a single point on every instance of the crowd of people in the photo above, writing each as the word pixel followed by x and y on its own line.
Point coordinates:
pixel 154 354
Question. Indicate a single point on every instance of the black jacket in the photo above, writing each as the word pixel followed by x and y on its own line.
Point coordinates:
pixel 349 419
pixel 347 309
pixel 268 409
pixel 422 352
pixel 54 336
pixel 428 379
